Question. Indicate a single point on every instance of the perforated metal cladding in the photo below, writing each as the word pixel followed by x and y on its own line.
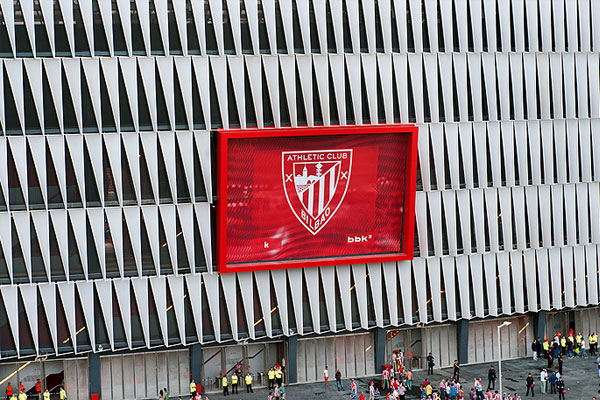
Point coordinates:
pixel 106 180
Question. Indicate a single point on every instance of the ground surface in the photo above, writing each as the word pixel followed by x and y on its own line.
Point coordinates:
pixel 580 375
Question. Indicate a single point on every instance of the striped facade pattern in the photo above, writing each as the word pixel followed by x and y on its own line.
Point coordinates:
pixel 106 205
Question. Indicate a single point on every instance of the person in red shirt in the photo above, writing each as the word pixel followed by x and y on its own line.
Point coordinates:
pixel 9 391
pixel 38 388
pixel 361 397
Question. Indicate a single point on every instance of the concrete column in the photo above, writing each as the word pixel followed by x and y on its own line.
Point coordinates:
pixel 196 362
pixel 379 335
pixel 94 375
pixel 539 325
pixel 292 359
pixel 462 340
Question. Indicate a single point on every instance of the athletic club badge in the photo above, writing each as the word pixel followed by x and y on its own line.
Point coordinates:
pixel 315 184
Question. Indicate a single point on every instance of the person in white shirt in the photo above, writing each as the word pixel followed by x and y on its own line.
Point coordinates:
pixel 543 380
pixel 583 352
pixel 326 376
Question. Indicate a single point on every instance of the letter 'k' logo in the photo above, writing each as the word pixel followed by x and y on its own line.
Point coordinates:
pixel 315 184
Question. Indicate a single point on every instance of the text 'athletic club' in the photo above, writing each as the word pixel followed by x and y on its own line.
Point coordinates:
pixel 315 184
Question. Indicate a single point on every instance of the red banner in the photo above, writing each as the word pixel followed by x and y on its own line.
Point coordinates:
pixel 320 196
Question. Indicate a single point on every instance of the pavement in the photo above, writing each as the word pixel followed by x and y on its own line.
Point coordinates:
pixel 580 376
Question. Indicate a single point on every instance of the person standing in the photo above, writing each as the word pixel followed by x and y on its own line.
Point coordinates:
pixel 271 376
pixel 353 386
pixel 193 388
pixel 282 392
pixel 479 389
pixel 278 376
pixel 338 380
pixel 560 364
pixel 46 395
pixel 409 379
pixel 529 383
pixel 234 383
pixel 491 378
pixel 62 394
pixel 560 388
pixel 9 389
pixel 401 392
pixel 456 367
pixel 543 380
pixel 534 349
pixel 21 387
pixel 249 383
pixel 225 384
pixel 583 352
pixel 386 379
pixel 442 389
pixel 371 391
pixel 326 375
pixel 22 395
pixel 430 364
pixel 38 389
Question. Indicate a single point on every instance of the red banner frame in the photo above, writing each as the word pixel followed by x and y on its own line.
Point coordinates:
pixel 223 136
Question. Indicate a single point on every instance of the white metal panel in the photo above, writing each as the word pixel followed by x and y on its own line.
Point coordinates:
pixel 516 265
pixel 591 262
pixel 567 270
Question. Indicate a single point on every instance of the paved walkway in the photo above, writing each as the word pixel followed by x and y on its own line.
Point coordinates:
pixel 580 375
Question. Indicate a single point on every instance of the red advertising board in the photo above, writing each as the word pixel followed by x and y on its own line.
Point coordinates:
pixel 298 197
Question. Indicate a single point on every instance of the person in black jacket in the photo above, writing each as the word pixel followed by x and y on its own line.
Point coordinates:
pixel 456 375
pixel 529 383
pixel 560 363
pixel 430 364
pixel 491 378
pixel 560 388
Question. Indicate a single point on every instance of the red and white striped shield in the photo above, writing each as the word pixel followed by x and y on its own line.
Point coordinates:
pixel 315 184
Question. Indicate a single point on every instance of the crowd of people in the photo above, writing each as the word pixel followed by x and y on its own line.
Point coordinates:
pixel 551 380
pixel 230 384
pixel 19 393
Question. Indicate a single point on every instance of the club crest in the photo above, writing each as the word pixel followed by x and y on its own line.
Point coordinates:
pixel 315 184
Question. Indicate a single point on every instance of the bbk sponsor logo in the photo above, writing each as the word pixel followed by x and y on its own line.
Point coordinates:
pixel 315 184
pixel 359 239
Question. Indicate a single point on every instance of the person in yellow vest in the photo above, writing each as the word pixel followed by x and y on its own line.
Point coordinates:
pixel 193 388
pixel 46 395
pixel 578 338
pixel 13 397
pixel 62 394
pixel 546 347
pixel 278 376
pixel 22 395
pixel 271 376
pixel 594 345
pixel 234 383
pixel 563 345
pixel 249 383
pixel 225 384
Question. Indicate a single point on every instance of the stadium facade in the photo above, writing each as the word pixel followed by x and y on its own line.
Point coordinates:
pixel 109 112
